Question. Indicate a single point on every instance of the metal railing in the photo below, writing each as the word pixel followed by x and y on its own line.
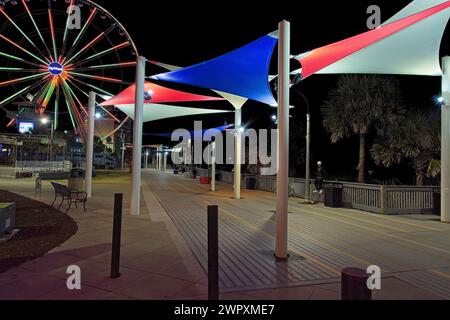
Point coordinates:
pixel 42 166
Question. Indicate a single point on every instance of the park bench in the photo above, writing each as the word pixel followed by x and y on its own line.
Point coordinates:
pixel 69 195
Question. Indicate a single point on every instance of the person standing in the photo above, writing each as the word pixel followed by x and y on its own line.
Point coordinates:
pixel 320 177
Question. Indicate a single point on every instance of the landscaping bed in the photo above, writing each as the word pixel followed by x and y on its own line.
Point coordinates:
pixel 42 228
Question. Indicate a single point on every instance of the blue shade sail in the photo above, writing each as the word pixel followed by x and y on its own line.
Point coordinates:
pixel 243 72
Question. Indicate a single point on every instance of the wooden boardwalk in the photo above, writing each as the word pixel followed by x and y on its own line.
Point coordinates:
pixel 322 241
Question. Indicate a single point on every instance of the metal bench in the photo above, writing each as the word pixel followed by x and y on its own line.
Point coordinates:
pixel 69 195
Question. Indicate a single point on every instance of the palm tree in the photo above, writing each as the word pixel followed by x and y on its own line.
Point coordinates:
pixel 416 139
pixel 358 104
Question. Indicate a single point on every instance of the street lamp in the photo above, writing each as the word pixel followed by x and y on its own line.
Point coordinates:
pixel 440 100
pixel 295 81
pixel 45 121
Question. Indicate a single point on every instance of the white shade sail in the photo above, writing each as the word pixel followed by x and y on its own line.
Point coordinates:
pixel 154 112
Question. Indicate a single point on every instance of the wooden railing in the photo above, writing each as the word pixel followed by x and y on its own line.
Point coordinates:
pixel 366 197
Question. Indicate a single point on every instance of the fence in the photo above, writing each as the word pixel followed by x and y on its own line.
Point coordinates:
pixel 366 197
pixel 42 166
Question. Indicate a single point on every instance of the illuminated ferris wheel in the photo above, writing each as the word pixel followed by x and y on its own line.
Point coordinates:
pixel 53 52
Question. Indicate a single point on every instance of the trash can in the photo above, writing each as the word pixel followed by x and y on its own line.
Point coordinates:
pixel 76 179
pixel 250 183
pixel 333 195
pixel 437 203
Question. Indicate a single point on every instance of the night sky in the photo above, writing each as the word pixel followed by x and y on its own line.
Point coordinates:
pixel 187 32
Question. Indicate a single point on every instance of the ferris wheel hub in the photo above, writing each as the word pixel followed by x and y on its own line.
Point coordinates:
pixel 55 68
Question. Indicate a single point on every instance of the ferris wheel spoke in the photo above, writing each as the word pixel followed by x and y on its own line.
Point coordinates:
pixel 18 28
pixel 66 29
pixel 50 91
pixel 99 78
pixel 19 70
pixel 90 44
pixel 82 31
pixel 22 49
pixel 23 79
pixel 76 98
pixel 36 27
pixel 56 112
pixel 15 95
pixel 40 95
pixel 100 54
pixel 97 104
pixel 20 92
pixel 109 66
pixel 69 108
pixel 117 129
pixel 91 86
pixel 10 56
pixel 52 30
pixel 73 108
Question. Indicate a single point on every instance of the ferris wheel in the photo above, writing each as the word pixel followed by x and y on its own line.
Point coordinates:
pixel 54 52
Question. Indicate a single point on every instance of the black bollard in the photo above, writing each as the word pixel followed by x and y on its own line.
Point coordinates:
pixel 213 253
pixel 117 230
pixel 354 284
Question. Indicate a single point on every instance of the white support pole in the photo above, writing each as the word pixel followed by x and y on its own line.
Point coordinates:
pixel 281 245
pixel 90 144
pixel 146 158
pixel 157 159
pixel 237 152
pixel 308 160
pixel 135 201
pixel 160 158
pixel 165 162
pixel 445 148
pixel 213 167
pixel 123 155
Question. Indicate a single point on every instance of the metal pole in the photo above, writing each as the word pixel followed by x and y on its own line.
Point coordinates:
pixel 445 148
pixel 123 155
pixel 146 159
pixel 308 160
pixel 52 133
pixel 90 144
pixel 165 162
pixel 117 230
pixel 237 152
pixel 213 253
pixel 283 142
pixel 213 167
pixel 160 158
pixel 135 201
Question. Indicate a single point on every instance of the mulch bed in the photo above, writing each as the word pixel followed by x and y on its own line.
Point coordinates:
pixel 42 228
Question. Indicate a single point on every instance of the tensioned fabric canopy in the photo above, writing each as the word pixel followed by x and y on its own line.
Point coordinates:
pixel 407 44
pixel 154 112
pixel 236 101
pixel 243 72
pixel 156 94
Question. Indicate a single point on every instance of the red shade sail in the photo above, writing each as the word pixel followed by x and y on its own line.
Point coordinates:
pixel 156 94
pixel 409 45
